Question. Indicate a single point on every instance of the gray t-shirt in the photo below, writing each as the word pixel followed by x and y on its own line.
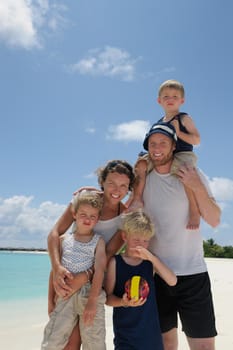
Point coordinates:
pixel 165 201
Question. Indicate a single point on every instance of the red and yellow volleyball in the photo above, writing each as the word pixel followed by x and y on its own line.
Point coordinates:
pixel 137 287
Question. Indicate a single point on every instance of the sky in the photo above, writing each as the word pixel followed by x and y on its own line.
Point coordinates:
pixel 78 87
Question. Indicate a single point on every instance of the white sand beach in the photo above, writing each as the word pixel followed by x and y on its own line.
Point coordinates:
pixel 22 323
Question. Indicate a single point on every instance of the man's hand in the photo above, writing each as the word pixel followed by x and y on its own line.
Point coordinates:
pixel 61 277
pixel 189 177
pixel 208 208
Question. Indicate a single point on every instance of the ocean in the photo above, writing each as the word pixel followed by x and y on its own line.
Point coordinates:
pixel 23 301
pixel 24 275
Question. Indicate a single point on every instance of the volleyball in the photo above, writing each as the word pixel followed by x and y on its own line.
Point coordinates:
pixel 137 287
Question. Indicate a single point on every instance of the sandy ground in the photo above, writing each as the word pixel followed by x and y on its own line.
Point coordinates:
pixel 21 324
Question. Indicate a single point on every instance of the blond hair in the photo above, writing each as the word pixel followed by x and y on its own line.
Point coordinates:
pixel 137 222
pixel 91 198
pixel 172 84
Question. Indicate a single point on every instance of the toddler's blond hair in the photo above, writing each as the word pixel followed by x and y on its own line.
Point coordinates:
pixel 91 198
pixel 172 84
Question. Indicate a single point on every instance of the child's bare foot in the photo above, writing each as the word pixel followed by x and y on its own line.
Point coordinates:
pixel 194 221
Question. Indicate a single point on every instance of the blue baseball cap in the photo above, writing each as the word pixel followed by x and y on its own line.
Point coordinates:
pixel 166 129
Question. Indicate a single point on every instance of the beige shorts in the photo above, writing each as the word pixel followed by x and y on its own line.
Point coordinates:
pixel 64 318
pixel 181 158
pixel 150 165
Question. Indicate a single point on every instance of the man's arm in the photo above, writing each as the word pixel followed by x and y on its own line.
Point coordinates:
pixel 208 208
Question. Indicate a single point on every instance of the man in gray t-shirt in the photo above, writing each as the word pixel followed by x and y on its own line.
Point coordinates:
pixel 181 249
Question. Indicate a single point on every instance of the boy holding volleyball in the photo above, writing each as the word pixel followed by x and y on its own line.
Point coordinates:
pixel 135 317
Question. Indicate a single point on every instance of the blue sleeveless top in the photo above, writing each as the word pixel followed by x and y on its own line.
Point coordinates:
pixel 181 146
pixel 136 328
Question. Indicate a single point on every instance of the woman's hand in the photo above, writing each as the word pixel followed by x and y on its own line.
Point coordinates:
pixel 75 283
pixel 61 279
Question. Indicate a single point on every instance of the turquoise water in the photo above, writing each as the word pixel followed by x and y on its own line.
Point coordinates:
pixel 23 275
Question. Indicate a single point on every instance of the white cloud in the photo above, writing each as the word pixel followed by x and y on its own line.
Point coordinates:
pixel 16 23
pixel 90 130
pixel 23 224
pixel 110 62
pixel 21 221
pixel 132 131
pixel 22 21
pixel 222 188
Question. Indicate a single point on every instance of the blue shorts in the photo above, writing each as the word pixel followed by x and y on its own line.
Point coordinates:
pixel 191 298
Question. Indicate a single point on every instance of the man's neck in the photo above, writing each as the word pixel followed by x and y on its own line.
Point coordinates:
pixel 163 169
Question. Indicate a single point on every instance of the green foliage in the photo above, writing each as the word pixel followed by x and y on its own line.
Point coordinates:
pixel 213 250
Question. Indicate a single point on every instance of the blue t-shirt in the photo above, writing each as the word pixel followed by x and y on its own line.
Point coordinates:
pixel 136 328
